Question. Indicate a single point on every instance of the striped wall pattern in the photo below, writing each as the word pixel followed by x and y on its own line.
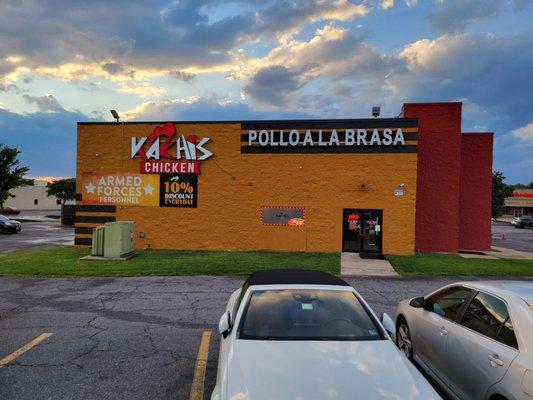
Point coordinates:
pixel 88 217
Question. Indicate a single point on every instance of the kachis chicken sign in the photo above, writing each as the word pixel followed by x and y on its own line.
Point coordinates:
pixel 182 155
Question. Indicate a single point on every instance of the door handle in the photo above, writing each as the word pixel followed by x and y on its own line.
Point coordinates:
pixel 495 360
pixel 443 331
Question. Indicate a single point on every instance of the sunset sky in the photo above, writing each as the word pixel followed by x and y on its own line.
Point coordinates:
pixel 63 61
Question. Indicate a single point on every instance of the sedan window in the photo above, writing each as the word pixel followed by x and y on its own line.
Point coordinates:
pixel 488 315
pixel 448 303
pixel 307 314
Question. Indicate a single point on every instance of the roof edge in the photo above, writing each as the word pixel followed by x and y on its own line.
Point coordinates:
pixel 326 120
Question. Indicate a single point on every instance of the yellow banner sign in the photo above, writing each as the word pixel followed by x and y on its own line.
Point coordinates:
pixel 120 188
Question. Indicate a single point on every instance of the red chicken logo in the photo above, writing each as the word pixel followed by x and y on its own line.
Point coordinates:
pixel 162 139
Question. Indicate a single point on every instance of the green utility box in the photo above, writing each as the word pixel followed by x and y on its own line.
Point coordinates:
pixel 118 239
pixel 97 248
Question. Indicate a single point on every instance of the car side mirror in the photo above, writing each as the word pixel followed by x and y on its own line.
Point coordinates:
pixel 224 324
pixel 417 302
pixel 388 323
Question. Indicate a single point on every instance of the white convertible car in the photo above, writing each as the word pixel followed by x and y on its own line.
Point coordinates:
pixel 297 334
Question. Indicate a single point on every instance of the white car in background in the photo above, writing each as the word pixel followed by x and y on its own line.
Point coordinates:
pixel 474 338
pixel 297 334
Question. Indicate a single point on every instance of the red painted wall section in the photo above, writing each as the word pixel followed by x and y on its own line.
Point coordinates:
pixel 439 171
pixel 476 191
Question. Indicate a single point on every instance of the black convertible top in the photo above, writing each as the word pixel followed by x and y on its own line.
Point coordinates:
pixel 292 277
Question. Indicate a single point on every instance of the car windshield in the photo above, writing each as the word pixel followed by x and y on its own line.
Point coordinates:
pixel 2 218
pixel 294 314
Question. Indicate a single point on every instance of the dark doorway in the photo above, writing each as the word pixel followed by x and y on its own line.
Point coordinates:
pixel 362 230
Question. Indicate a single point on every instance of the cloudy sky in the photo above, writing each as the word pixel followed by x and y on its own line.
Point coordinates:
pixel 63 61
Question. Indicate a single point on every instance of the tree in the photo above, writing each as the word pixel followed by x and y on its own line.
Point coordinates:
pixel 63 189
pixel 499 192
pixel 11 173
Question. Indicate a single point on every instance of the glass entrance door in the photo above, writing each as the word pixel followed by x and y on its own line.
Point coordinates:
pixel 362 230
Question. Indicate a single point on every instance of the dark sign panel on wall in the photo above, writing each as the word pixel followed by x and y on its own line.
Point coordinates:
pixel 178 190
pixel 384 135
pixel 284 216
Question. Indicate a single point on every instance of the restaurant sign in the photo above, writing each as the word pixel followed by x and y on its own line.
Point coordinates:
pixel 163 152
pixel 133 189
pixel 283 216
pixel 120 188
pixel 178 190
pixel 393 135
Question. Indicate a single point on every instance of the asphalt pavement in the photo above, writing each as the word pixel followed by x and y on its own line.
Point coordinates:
pixel 129 338
pixel 516 239
pixel 37 234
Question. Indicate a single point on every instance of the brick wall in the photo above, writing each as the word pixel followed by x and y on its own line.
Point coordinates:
pixel 439 168
pixel 233 186
pixel 476 191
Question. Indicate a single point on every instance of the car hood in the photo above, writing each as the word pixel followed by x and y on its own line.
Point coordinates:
pixel 12 222
pixel 322 370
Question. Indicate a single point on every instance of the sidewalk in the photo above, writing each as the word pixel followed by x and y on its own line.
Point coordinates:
pixel 353 265
pixel 500 252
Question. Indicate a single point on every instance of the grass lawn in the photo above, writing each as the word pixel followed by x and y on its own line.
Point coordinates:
pixel 451 264
pixel 65 261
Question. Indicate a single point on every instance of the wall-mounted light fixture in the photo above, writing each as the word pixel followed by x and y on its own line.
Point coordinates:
pixel 115 115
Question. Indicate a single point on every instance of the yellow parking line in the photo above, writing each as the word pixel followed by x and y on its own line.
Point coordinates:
pixel 24 349
pixel 197 387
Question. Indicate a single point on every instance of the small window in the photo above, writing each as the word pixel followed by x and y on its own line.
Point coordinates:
pixel 489 316
pixel 35 202
pixel 58 202
pixel 506 335
pixel 449 302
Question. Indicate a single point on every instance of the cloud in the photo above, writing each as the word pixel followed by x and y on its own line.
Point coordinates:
pixel 453 16
pixel 70 41
pixel 46 103
pixel 386 4
pixel 272 85
pixel 143 89
pixel 113 68
pixel 205 108
pixel 182 76
pixel 332 53
pixel 410 3
pixel 524 133
pixel 485 69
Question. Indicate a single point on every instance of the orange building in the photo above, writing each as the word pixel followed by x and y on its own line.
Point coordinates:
pixel 299 185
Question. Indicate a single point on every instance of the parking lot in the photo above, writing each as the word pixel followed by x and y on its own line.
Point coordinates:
pixel 129 338
pixel 37 234
pixel 516 239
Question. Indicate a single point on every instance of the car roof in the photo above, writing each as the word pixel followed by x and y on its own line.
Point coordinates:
pixel 292 277
pixel 520 289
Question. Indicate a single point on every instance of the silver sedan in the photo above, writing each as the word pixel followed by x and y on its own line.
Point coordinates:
pixel 474 338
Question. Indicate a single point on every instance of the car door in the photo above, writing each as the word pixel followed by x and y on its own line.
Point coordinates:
pixel 441 310
pixel 480 350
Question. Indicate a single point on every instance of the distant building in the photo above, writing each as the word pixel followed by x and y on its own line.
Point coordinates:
pixel 34 198
pixel 520 203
